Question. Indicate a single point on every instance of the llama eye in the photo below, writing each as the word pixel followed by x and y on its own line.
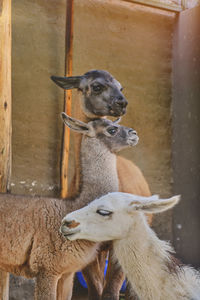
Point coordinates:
pixel 103 212
pixel 97 88
pixel 112 130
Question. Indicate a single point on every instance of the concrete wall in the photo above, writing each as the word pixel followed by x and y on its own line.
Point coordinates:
pixel 186 137
pixel 132 42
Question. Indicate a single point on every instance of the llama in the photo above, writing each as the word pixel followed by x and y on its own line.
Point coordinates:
pixel 31 244
pixel 101 95
pixel 147 261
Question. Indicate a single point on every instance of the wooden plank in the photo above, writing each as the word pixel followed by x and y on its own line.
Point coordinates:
pixel 184 4
pixel 5 96
pixel 158 4
pixel 186 138
pixel 67 98
pixel 1 6
pixel 5 114
pixel 4 285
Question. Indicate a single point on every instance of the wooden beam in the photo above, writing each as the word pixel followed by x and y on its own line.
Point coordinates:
pixel 67 98
pixel 5 95
pixel 184 4
pixel 158 4
pixel 5 114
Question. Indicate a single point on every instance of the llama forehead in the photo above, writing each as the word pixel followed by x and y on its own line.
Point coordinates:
pixel 114 84
pixel 118 200
pixel 99 76
pixel 102 123
pixel 111 201
pixel 103 204
pixel 93 74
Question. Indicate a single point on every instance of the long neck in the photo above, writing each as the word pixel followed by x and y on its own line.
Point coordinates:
pixel 148 264
pixel 98 172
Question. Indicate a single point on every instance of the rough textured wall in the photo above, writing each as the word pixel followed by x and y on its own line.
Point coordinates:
pixel 38 52
pixel 186 137
pixel 132 42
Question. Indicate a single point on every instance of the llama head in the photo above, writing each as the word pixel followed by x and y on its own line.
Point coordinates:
pixel 101 93
pixel 114 136
pixel 112 216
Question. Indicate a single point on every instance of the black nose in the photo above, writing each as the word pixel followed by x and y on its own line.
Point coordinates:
pixel 121 101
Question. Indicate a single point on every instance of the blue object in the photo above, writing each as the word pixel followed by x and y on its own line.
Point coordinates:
pixel 84 284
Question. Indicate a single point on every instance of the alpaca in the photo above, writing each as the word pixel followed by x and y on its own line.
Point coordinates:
pixel 101 95
pixel 31 244
pixel 147 261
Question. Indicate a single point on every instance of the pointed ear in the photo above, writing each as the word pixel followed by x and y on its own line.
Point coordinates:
pixel 68 83
pixel 118 120
pixel 77 125
pixel 153 204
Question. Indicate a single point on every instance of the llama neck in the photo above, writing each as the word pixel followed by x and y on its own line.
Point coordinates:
pixel 148 264
pixel 98 172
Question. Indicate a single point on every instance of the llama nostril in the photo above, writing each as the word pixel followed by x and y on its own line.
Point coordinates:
pixel 67 223
pixel 121 102
pixel 120 98
pixel 131 131
pixel 124 102
pixel 70 224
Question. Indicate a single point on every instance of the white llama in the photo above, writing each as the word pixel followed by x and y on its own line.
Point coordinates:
pixel 147 261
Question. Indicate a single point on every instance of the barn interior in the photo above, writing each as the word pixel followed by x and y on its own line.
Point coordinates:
pixel 154 52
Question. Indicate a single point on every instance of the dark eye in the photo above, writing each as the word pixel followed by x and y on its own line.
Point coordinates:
pixel 103 212
pixel 121 89
pixel 112 130
pixel 97 88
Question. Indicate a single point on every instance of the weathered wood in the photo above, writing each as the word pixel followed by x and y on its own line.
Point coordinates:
pixel 5 96
pixel 4 285
pixel 1 6
pixel 67 99
pixel 186 138
pixel 158 4
pixel 62 292
pixel 5 114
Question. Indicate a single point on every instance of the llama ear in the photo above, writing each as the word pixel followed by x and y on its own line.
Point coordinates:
pixel 153 204
pixel 118 120
pixel 68 83
pixel 77 125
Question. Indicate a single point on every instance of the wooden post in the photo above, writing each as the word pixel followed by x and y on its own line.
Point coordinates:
pixel 184 4
pixel 5 114
pixel 67 98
